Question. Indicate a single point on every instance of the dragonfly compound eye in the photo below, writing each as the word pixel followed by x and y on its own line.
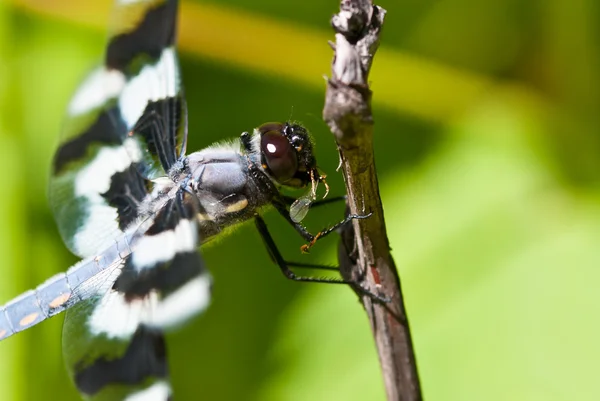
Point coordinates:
pixel 280 156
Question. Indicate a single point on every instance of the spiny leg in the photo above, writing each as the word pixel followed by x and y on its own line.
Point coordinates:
pixel 288 273
pixel 308 237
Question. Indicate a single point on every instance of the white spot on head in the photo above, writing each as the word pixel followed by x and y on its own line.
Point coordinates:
pixel 159 391
pixel 154 82
pixel 100 86
pixel 116 317
pixel 162 247
pixel 271 148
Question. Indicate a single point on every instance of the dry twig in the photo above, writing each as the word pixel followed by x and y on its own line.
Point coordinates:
pixel 364 252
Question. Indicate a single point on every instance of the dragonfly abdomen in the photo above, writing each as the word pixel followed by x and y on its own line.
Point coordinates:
pixel 58 294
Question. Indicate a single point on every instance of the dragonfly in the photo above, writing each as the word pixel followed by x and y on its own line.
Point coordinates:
pixel 136 208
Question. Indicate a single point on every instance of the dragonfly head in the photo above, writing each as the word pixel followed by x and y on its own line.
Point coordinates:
pixel 287 155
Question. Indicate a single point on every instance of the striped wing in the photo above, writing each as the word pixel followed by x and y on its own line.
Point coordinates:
pixel 126 125
pixel 113 340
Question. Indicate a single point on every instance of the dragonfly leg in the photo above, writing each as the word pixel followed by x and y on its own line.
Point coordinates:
pixel 284 266
pixel 303 231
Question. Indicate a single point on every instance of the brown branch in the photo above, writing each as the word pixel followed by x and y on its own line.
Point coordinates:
pixel 364 252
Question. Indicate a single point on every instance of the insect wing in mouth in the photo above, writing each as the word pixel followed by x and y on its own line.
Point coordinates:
pixel 300 207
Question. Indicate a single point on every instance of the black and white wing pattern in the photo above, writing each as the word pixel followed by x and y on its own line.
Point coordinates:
pixel 126 129
pixel 126 125
pixel 113 341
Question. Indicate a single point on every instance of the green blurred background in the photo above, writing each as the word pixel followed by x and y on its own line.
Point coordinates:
pixel 488 150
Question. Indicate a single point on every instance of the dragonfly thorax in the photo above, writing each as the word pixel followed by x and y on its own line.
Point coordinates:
pixel 233 180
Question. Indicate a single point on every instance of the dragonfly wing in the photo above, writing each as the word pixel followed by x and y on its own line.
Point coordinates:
pixel 125 126
pixel 113 340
